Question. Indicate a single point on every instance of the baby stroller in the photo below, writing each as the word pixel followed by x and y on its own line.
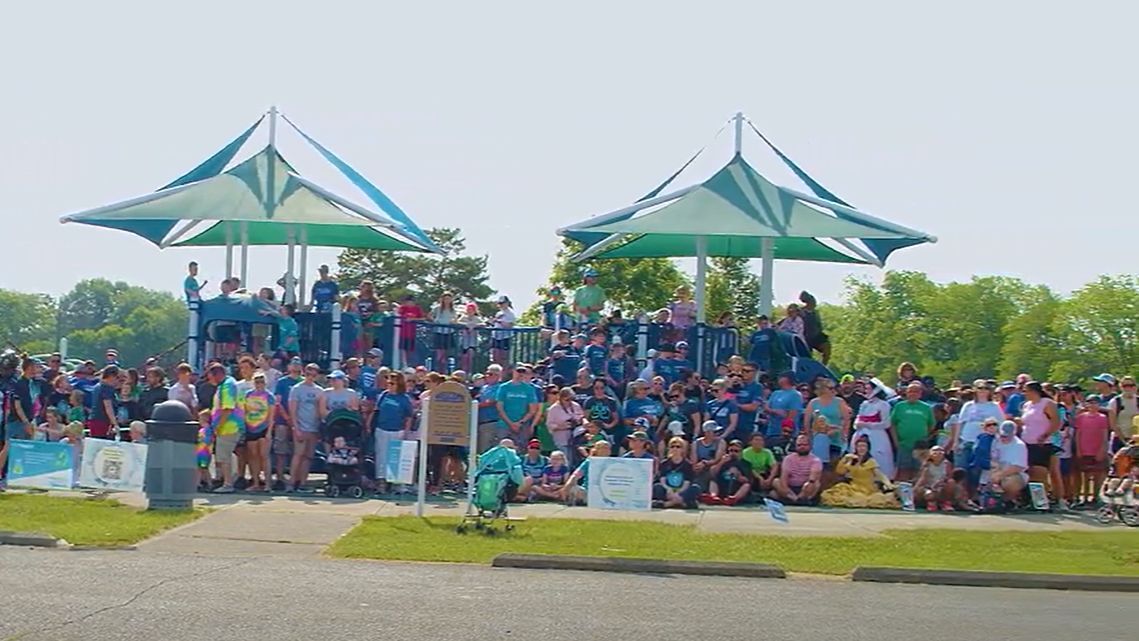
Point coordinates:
pixel 498 477
pixel 342 436
pixel 1116 505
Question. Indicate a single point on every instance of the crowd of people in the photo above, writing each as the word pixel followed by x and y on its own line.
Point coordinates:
pixel 750 432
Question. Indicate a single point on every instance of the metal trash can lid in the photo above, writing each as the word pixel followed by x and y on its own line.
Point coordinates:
pixel 171 412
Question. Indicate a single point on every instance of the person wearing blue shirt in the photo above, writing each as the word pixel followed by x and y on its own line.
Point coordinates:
pixel 617 369
pixel 325 291
pixel 596 353
pixel 749 397
pixel 667 366
pixel 762 340
pixel 722 409
pixel 784 406
pixel 640 405
pixel 191 287
pixel 1013 399
pixel 517 402
pixel 394 409
pixel 565 359
pixel 369 371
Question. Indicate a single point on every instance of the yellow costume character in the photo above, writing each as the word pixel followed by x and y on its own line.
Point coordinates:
pixel 860 490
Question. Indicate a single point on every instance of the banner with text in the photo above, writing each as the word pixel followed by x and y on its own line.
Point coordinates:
pixel 48 466
pixel 113 465
pixel 620 483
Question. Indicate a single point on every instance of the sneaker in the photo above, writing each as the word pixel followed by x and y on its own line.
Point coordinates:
pixel 946 506
pixel 290 489
pixel 241 483
pixel 658 505
pixel 279 486
pixel 931 506
pixel 731 500
pixel 304 490
pixel 1065 506
pixel 225 489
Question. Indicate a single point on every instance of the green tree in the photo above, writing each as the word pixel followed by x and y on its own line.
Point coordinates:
pixel 98 314
pixel 1097 327
pixel 27 321
pixel 426 276
pixel 733 287
pixel 631 284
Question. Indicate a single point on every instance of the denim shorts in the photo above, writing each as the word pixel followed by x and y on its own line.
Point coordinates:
pixel 905 459
pixel 14 430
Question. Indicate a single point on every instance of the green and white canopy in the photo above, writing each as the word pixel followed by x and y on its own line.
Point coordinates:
pixel 740 213
pixel 259 201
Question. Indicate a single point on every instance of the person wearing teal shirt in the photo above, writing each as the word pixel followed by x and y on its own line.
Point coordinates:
pixel 517 402
pixel 288 333
pixel 191 287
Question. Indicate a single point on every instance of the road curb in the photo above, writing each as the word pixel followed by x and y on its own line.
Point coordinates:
pixel 29 539
pixel 637 566
pixel 1025 580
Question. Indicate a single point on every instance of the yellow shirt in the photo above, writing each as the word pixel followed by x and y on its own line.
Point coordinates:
pixel 862 475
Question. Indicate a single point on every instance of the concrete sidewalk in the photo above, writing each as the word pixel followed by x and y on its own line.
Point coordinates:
pixel 304 525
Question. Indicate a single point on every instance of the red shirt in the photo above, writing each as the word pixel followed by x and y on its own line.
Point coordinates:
pixel 409 312
pixel 1091 433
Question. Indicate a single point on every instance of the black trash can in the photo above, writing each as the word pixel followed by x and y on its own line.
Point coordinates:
pixel 171 457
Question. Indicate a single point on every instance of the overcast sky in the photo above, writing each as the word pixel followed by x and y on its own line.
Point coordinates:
pixel 1006 129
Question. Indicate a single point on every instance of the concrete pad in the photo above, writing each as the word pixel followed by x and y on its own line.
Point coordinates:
pixel 285 527
pixel 177 544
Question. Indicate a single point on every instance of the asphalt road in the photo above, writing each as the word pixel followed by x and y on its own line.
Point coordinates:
pixel 126 595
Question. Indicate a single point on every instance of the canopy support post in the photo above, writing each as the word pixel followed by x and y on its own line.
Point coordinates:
pixel 245 254
pixel 290 284
pixel 228 250
pixel 701 275
pixel 766 277
pixel 739 122
pixel 302 294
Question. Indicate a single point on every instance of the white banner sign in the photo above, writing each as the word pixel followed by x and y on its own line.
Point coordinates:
pixel 113 465
pixel 395 459
pixel 620 483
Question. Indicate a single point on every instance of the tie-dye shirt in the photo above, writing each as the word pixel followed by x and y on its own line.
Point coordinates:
pixel 257 405
pixel 225 398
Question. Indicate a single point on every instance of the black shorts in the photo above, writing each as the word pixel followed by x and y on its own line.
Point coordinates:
pixel 818 341
pixel 501 343
pixel 407 343
pixel 249 438
pixel 1040 454
pixel 444 341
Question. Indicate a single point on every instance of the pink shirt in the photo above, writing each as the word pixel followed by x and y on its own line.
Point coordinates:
pixel 798 469
pixel 1036 422
pixel 559 420
pixel 1091 433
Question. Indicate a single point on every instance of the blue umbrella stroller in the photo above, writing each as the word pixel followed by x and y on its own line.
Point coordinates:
pixel 497 478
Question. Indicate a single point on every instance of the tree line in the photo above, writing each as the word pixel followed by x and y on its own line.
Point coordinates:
pixel 989 326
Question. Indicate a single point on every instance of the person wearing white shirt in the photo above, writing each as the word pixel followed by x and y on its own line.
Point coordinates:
pixel 1010 462
pixel 971 419
pixel 873 421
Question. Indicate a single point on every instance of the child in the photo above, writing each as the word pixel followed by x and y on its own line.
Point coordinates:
pixel 596 353
pixel 982 459
pixel 1092 435
pixel 553 477
pixel 204 450
pixel 73 434
pixel 935 484
pixel 574 490
pixel 52 429
pixel 617 369
pixel 341 454
pixel 138 432
pixel 1125 469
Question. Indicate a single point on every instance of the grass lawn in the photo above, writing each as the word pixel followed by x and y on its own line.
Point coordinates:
pixel 412 539
pixel 84 521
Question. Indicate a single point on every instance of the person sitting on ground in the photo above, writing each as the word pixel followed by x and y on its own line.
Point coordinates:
pixel 937 484
pixel 730 479
pixel 675 486
pixel 799 475
pixel 762 465
pixel 554 476
pixel 533 465
pixel 866 485
pixel 574 490
pixel 1009 472
pixel 640 446
pixel 706 451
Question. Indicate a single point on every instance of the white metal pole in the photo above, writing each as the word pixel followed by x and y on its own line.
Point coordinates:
pixel 192 336
pixel 228 250
pixel 421 497
pixel 397 353
pixel 271 165
pixel 472 452
pixel 63 348
pixel 290 286
pixel 739 118
pixel 701 275
pixel 335 351
pixel 766 277
pixel 245 254
pixel 302 295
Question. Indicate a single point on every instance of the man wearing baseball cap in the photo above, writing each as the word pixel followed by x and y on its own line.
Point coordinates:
pixel 325 291
pixel 589 299
pixel 1010 462
pixel 533 464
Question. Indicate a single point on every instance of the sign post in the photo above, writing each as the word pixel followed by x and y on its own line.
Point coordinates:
pixel 447 418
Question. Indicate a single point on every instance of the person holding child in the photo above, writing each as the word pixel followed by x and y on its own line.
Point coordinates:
pixel 936 485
